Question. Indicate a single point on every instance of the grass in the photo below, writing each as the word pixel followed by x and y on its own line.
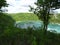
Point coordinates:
pixel 32 17
pixel 55 19
pixel 24 16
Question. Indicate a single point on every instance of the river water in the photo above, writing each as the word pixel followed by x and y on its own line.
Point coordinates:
pixel 37 24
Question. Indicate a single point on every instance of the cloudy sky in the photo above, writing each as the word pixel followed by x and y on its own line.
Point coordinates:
pixel 20 5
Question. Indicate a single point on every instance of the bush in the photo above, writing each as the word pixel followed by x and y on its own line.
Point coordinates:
pixel 28 36
pixel 10 35
pixel 5 22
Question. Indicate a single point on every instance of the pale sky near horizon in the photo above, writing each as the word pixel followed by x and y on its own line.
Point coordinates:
pixel 16 6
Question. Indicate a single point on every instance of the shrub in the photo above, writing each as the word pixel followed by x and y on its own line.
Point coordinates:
pixel 5 22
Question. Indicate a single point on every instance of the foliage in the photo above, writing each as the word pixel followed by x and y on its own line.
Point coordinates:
pixel 10 35
pixel 43 10
pixel 15 36
pixel 3 4
pixel 5 22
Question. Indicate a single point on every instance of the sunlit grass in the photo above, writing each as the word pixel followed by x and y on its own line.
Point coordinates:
pixel 24 16
pixel 55 19
pixel 32 17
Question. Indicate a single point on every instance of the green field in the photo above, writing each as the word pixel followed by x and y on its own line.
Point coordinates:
pixel 24 16
pixel 32 17
pixel 55 19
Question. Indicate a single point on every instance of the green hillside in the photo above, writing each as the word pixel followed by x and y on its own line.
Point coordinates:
pixel 24 16
pixel 32 17
pixel 55 19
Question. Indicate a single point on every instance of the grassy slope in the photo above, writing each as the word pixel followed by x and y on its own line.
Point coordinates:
pixel 24 16
pixel 55 19
pixel 31 16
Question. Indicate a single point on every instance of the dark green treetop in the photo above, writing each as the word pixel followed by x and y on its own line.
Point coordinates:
pixel 3 4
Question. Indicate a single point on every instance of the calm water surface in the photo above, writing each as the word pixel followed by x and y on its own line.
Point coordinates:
pixel 37 24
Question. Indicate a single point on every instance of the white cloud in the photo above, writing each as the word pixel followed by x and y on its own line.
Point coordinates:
pixel 19 5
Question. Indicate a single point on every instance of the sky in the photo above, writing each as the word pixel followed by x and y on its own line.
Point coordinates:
pixel 16 6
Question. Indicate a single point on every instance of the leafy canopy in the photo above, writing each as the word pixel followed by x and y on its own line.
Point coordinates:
pixel 43 10
pixel 3 4
pixel 51 3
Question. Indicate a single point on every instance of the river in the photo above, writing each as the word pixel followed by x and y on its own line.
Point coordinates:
pixel 25 24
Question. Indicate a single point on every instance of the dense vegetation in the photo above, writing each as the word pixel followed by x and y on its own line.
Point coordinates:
pixel 10 35
pixel 6 22
pixel 15 36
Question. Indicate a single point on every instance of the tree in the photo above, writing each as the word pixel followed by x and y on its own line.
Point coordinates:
pixel 3 4
pixel 43 10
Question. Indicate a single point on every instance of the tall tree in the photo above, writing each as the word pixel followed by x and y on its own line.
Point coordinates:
pixel 43 10
pixel 3 4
